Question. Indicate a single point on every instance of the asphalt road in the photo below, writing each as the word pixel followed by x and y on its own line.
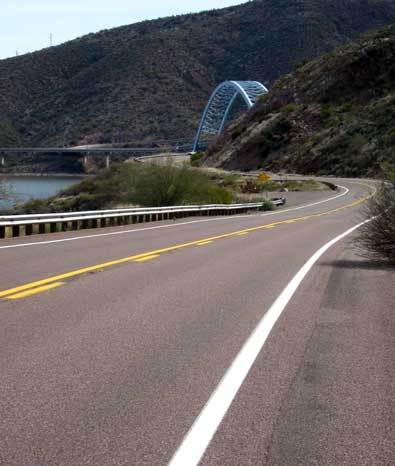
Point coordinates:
pixel 113 342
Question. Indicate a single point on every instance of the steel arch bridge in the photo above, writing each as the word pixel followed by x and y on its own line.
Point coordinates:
pixel 220 104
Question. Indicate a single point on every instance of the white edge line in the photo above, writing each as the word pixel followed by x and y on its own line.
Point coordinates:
pixel 124 232
pixel 205 426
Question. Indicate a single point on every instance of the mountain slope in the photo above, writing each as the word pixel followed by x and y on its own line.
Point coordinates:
pixel 151 80
pixel 335 115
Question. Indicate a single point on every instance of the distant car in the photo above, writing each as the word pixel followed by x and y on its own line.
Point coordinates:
pixel 279 200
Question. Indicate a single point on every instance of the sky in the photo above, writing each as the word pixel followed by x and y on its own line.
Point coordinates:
pixel 26 25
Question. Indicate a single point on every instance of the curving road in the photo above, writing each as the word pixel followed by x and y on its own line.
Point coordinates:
pixel 113 342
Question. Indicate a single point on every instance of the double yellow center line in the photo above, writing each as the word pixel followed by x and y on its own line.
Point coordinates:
pixel 50 283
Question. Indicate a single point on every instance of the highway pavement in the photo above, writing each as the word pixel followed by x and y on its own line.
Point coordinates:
pixel 115 343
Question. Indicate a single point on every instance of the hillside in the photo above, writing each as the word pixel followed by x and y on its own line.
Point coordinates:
pixel 152 79
pixel 335 115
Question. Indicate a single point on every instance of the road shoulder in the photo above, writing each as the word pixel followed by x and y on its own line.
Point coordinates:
pixel 339 409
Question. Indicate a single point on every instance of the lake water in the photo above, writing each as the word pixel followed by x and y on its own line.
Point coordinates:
pixel 24 188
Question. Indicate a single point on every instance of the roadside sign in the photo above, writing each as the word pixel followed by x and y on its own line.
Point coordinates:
pixel 264 177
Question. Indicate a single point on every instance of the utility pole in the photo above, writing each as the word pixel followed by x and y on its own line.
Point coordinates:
pixel 51 39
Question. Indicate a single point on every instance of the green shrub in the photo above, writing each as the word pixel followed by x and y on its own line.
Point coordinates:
pixel 269 186
pixel 289 108
pixel 300 64
pixel 263 98
pixel 346 107
pixel 135 184
pixel 158 186
pixel 238 131
pixel 329 55
pixel 377 238
pixel 196 159
pixel 268 205
pixel 230 181
pixel 34 206
pixel 326 112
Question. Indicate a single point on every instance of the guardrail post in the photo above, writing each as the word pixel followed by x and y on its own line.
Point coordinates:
pixel 53 227
pixel 41 228
pixel 28 230
pixel 2 232
pixel 64 226
pixel 15 231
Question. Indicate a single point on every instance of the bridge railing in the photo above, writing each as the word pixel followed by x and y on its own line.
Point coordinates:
pixel 21 225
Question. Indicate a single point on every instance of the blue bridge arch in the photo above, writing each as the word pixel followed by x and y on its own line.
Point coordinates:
pixel 220 104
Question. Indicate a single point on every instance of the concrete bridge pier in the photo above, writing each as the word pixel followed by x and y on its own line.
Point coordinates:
pixel 85 161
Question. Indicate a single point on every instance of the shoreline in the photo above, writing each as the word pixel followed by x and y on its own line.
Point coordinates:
pixel 45 175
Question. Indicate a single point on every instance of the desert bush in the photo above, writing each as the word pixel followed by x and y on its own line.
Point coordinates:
pixel 238 131
pixel 231 182
pixel 134 184
pixel 268 205
pixel 196 158
pixel 289 108
pixel 167 185
pixel 377 238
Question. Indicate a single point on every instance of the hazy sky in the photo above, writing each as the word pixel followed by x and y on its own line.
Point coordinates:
pixel 25 25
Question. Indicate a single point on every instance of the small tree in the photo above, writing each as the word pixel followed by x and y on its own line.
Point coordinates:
pixel 377 238
pixel 158 186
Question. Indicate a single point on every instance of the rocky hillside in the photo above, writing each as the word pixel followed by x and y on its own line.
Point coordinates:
pixel 151 80
pixel 335 115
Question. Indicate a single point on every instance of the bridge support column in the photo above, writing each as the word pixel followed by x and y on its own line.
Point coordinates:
pixel 86 161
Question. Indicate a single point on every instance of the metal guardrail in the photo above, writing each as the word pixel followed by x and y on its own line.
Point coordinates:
pixel 93 150
pixel 19 225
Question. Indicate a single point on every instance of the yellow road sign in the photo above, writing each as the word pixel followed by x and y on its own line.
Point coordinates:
pixel 264 177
